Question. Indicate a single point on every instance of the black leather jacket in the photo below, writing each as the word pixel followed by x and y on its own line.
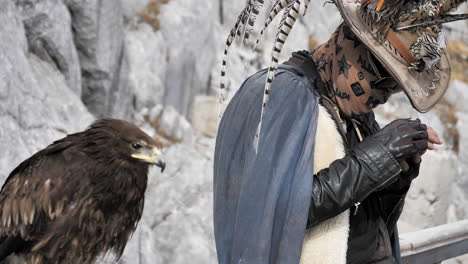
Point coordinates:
pixel 369 176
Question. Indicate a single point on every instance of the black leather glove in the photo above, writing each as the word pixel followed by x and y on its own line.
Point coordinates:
pixel 404 138
pixel 413 169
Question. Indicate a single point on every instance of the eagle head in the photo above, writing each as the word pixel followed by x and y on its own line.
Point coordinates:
pixel 130 142
pixel 146 152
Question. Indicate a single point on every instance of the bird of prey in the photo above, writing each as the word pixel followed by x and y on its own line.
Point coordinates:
pixel 78 198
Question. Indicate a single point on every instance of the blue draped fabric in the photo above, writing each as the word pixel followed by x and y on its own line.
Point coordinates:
pixel 261 201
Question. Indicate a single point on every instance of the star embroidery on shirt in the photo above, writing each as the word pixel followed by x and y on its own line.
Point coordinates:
pixel 344 66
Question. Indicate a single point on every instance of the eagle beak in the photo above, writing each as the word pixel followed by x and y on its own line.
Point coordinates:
pixel 157 160
pixel 152 157
pixel 161 164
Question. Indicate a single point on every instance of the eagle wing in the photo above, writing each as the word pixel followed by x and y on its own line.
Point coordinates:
pixel 35 193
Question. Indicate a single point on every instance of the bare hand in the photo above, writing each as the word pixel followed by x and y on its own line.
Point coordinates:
pixel 433 138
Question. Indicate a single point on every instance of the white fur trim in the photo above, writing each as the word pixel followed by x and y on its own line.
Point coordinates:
pixel 327 243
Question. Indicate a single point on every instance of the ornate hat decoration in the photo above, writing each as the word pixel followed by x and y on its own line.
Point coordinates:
pixel 404 35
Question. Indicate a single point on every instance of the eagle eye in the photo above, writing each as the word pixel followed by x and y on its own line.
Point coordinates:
pixel 136 146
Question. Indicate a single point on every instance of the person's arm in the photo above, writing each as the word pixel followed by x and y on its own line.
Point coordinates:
pixel 392 198
pixel 370 166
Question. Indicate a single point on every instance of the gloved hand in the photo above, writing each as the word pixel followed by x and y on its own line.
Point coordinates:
pixel 410 170
pixel 410 167
pixel 404 138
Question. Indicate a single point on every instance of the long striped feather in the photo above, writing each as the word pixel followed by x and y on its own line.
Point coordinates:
pixel 278 6
pixel 306 7
pixel 241 29
pixel 252 17
pixel 245 21
pixel 291 13
pixel 230 39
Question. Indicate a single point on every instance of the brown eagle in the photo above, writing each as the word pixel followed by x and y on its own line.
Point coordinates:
pixel 78 198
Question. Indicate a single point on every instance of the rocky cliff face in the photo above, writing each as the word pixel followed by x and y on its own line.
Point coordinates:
pixel 64 63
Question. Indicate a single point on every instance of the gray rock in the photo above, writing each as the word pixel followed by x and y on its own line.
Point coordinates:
pixel 175 126
pixel 205 115
pixel 177 220
pixel 456 95
pixel 460 192
pixel 149 121
pixel 99 38
pixel 133 8
pixel 48 30
pixel 322 19
pixel 427 201
pixel 122 99
pixel 146 51
pixel 155 112
pixel 193 45
pixel 36 105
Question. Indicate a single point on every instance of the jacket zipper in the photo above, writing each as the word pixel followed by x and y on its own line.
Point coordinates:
pixel 356 206
pixel 368 193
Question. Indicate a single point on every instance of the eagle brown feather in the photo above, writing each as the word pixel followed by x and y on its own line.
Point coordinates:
pixel 76 199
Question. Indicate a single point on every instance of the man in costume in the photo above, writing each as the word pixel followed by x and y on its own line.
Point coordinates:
pixel 302 172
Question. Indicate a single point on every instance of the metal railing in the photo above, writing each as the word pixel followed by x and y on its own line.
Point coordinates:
pixel 433 245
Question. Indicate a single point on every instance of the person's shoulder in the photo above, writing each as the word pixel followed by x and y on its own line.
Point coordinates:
pixel 287 79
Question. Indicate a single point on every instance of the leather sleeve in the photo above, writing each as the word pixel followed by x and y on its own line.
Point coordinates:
pixel 367 168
